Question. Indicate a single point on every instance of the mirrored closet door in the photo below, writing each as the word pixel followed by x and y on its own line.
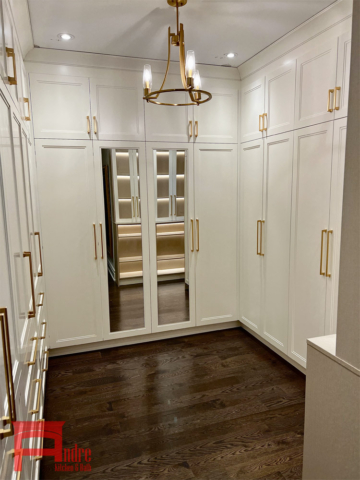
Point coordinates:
pixel 171 230
pixel 125 231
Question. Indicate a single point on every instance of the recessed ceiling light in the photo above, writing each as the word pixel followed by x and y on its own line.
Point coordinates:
pixel 65 36
pixel 231 55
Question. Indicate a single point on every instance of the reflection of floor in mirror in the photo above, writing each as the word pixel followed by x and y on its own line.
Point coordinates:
pixel 127 305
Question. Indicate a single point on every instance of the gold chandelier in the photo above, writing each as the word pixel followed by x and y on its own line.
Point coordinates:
pixel 190 77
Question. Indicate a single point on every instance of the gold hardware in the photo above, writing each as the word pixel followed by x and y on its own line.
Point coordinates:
pixel 31 313
pixel 10 53
pixel 102 244
pixel 26 100
pixel 44 332
pixel 171 204
pixel 95 125
pixel 327 253
pixel 196 129
pixel 36 410
pixel 322 251
pixel 264 116
pixel 88 124
pixel 191 131
pixel 180 3
pixel 4 326
pixel 261 237
pixel 257 237
pixel 95 240
pixel 260 118
pixel 137 206
pixel 47 361
pixel 40 274
pixel 133 205
pixel 175 206
pixel 39 457
pixel 331 91
pixel 41 304
pixel 192 234
pixel 14 453
pixel 198 234
pixel 32 362
pixel 336 107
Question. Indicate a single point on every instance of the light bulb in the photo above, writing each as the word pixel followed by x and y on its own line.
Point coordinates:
pixel 197 80
pixel 190 64
pixel 147 77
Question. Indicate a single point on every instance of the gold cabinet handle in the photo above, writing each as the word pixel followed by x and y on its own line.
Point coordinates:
pixel 257 237
pixel 133 206
pixel 102 241
pixel 191 130
pixel 88 124
pixel 4 326
pixel 329 109
pixel 26 101
pixel 192 234
pixel 264 123
pixel 138 207
pixel 43 336
pixel 46 356
pixel 41 273
pixel 171 202
pixel 31 313
pixel 330 232
pixel 262 222
pixel 175 207
pixel 198 235
pixel 41 303
pixel 39 457
pixel 37 409
pixel 95 125
pixel 322 252
pixel 336 106
pixel 33 360
pixel 95 241
pixel 14 453
pixel 10 53
pixel 261 120
pixel 196 129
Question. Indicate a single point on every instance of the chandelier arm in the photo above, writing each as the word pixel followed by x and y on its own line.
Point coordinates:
pixel 168 63
pixel 151 97
pixel 182 57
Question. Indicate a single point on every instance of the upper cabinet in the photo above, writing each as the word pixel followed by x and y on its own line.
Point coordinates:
pixel 118 107
pixel 60 106
pixel 252 109
pixel 343 76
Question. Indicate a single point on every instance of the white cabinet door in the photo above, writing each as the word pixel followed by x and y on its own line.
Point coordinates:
pixel 215 184
pixel 3 60
pixel 252 106
pixel 310 218
pixel 251 204
pixel 118 108
pixel 71 241
pixel 337 190
pixel 217 120
pixel 280 99
pixel 278 157
pixel 343 76
pixel 60 106
pixel 315 84
pixel 166 123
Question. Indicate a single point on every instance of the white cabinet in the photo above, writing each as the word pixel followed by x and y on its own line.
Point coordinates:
pixel 215 233
pixel 310 236
pixel 60 106
pixel 279 100
pixel 71 239
pixel 217 120
pixel 343 76
pixel 252 109
pixel 118 108
pixel 251 215
pixel 315 84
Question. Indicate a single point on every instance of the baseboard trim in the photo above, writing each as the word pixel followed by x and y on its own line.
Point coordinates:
pixel 274 349
pixel 152 337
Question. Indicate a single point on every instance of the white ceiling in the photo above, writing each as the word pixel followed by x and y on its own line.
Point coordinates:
pixel 138 28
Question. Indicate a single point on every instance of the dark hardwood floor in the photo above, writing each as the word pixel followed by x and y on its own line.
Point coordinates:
pixel 214 406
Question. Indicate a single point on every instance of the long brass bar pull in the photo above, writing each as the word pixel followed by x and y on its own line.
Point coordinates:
pixel 198 235
pixel 171 202
pixel 37 408
pixel 137 206
pixel 192 234
pixel 330 232
pixel 41 303
pixel 26 101
pixel 196 129
pixel 95 125
pixel 34 352
pixel 264 123
pixel 10 53
pixel 42 430
pixel 133 207
pixel 261 238
pixel 46 356
pixel 5 338
pixel 43 336
pixel 329 109
pixel 102 241
pixel 175 207
pixel 41 273
pixel 336 106
pixel 322 252
pixel 257 237
pixel 95 241
pixel 32 312
pixel 190 129
pixel 88 124
pixel 261 122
